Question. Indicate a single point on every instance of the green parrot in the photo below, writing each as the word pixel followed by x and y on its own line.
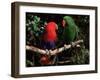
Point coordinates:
pixel 70 31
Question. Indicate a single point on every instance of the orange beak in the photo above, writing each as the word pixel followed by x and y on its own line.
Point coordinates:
pixel 63 23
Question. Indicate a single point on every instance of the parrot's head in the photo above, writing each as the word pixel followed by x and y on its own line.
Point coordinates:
pixel 67 21
pixel 64 23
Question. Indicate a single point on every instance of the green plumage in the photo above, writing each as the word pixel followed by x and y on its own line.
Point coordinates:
pixel 71 29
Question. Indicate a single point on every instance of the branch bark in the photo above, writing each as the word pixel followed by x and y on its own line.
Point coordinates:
pixel 56 51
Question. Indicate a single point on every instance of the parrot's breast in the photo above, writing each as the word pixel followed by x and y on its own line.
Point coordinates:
pixel 69 34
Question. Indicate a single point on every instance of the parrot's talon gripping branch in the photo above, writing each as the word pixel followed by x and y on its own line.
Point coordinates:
pixel 72 44
pixel 56 51
pixel 50 52
pixel 66 46
pixel 47 51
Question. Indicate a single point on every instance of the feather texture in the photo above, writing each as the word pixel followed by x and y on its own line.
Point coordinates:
pixel 71 29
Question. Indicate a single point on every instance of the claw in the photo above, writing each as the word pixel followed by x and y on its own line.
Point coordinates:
pixel 73 44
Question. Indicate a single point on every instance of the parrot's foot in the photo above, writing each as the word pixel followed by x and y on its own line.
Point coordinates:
pixel 47 51
pixel 73 44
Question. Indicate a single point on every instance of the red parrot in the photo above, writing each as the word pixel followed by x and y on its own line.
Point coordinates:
pixel 49 39
pixel 50 35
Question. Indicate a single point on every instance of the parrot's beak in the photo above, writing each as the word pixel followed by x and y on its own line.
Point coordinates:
pixel 63 23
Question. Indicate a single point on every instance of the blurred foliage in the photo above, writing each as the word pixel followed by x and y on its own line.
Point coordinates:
pixel 35 27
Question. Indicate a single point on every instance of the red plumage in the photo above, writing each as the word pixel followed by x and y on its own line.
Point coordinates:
pixel 50 32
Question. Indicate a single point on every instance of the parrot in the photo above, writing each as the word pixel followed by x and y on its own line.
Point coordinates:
pixel 70 31
pixel 50 35
pixel 69 34
pixel 49 40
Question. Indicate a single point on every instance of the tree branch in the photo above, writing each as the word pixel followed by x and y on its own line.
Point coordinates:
pixel 56 51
